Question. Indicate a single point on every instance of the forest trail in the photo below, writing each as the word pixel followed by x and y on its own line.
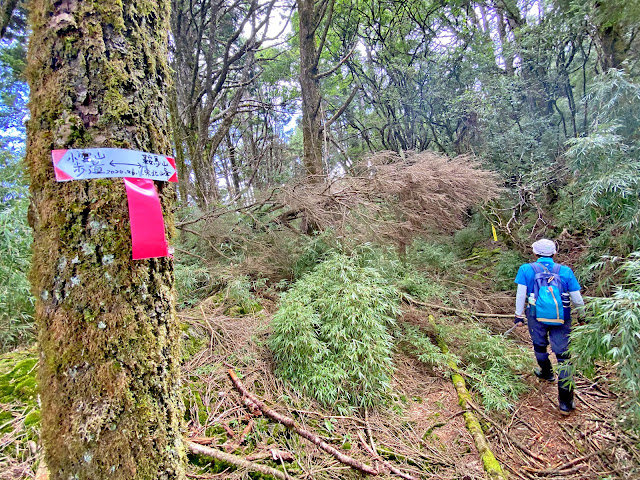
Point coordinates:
pixel 422 433
pixel 535 441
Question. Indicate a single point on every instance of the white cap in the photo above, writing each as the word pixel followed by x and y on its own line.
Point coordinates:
pixel 544 247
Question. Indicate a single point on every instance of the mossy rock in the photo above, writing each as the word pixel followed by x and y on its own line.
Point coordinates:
pixel 18 377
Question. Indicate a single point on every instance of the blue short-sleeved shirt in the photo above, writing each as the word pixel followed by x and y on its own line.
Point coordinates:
pixel 526 275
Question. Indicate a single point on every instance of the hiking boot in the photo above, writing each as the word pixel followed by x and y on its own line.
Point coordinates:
pixel 565 400
pixel 545 372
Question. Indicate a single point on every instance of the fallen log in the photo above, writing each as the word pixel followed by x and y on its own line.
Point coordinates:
pixel 491 465
pixel 291 424
pixel 235 460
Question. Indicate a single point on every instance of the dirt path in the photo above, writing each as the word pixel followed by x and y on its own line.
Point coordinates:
pixel 588 444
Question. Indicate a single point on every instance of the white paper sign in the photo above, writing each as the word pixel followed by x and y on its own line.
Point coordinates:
pixel 81 164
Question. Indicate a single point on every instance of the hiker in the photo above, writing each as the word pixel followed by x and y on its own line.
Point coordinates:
pixel 546 287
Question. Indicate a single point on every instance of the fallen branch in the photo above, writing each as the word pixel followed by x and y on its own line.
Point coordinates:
pixel 563 469
pixel 454 310
pixel 513 440
pixel 291 425
pixel 274 454
pixel 386 464
pixel 235 460
pixel 491 465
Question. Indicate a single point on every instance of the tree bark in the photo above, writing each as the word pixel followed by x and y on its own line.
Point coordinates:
pixel 310 90
pixel 107 330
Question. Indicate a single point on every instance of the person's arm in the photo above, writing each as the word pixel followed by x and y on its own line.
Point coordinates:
pixel 521 298
pixel 521 295
pixel 578 302
pixel 574 293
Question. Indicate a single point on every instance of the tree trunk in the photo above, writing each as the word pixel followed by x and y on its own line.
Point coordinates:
pixel 310 89
pixel 107 329
pixel 184 172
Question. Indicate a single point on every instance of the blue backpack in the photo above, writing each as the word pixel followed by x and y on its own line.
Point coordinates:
pixel 550 302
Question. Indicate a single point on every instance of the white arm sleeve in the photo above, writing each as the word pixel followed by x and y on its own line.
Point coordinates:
pixel 521 298
pixel 576 298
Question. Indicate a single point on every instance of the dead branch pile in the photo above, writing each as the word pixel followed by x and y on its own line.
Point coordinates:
pixel 220 419
pixel 390 196
pixel 395 197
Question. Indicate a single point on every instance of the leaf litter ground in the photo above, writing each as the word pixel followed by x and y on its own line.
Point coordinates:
pixel 422 433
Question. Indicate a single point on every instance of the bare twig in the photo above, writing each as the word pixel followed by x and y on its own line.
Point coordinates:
pixel 235 460
pixel 292 425
pixel 453 310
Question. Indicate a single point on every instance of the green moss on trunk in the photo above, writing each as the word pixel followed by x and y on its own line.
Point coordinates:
pixel 107 329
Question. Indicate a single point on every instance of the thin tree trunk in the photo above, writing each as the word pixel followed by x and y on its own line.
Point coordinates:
pixel 235 174
pixel 108 334
pixel 310 89
pixel 178 140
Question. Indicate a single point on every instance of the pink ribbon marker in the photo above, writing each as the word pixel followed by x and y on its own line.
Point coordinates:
pixel 139 170
pixel 145 215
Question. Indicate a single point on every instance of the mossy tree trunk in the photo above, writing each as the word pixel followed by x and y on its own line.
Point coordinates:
pixel 310 15
pixel 107 328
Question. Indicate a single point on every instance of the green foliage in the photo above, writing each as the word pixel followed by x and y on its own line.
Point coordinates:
pixel 331 337
pixel 415 342
pixel 607 185
pixel 491 363
pixel 424 288
pixel 506 268
pixel 314 252
pixel 436 257
pixel 612 333
pixel 16 302
pixel 192 284
pixel 239 293
pixel 467 238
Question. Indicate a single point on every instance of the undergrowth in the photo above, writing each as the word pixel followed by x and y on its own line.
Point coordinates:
pixel 612 333
pixel 331 335
pixel 492 363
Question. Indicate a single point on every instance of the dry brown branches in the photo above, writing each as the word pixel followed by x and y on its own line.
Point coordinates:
pixel 394 197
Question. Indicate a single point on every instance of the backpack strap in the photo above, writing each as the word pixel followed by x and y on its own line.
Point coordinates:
pixel 537 267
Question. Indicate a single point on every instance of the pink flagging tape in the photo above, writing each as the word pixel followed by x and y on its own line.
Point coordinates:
pixel 174 177
pixel 61 176
pixel 145 215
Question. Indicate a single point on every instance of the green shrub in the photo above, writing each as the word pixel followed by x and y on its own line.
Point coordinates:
pixel 491 363
pixel 314 252
pixel 193 283
pixel 16 302
pixel 432 256
pixel 415 342
pixel 238 294
pixel 423 288
pixel 331 337
pixel 612 333
pixel 506 268
pixel 466 239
